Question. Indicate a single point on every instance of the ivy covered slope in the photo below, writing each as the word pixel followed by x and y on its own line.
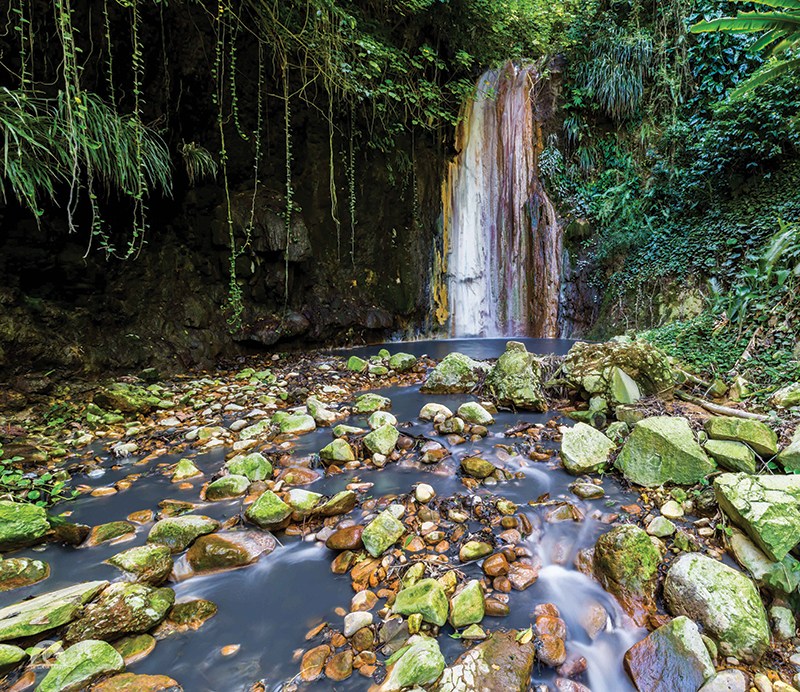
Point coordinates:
pixel 687 173
pixel 256 157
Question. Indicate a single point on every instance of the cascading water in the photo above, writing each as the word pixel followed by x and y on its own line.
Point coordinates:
pixel 502 237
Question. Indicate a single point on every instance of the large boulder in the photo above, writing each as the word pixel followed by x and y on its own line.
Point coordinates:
pixel 178 533
pixel 254 467
pixel 269 512
pixel 126 398
pixel 663 449
pixel 584 449
pixel 732 456
pixel 467 605
pixel 21 525
pixel 11 657
pixel 226 488
pixel 225 550
pixel 608 370
pixel 723 600
pixel 80 665
pixel 500 662
pixel 426 597
pixel 455 373
pixel 759 436
pixel 516 379
pixel 123 608
pixel 149 564
pixel 626 563
pixel 419 662
pixel 47 611
pixel 382 440
pixel 672 658
pixel 766 507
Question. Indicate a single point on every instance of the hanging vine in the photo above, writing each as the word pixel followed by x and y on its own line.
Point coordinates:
pixel 140 223
pixel 289 189
pixel 110 60
pixel 351 182
pixel 332 185
pixel 25 30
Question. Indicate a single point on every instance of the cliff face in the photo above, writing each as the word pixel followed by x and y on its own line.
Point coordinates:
pixel 165 308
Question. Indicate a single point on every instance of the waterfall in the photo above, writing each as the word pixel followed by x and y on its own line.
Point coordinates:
pixel 502 240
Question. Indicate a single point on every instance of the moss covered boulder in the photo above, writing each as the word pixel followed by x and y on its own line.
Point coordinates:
pixel 499 662
pixel 226 550
pixel 788 396
pixel 123 608
pixel 129 682
pixel 757 435
pixel 341 503
pixel 626 563
pixel 732 456
pixel 47 611
pixel 467 605
pixel 381 533
pixel 22 571
pixel 254 467
pixel 80 665
pixel 298 424
pixel 369 403
pixel 419 662
pixel 663 449
pixel 723 600
pixel 149 564
pixel 455 373
pixel 402 362
pixel 426 597
pixel 516 379
pixel 782 578
pixel 186 615
pixel 21 525
pixel 226 488
pixel 338 451
pixel 789 458
pixel 10 657
pixel 126 398
pixel 269 512
pixel 584 449
pixel 474 414
pixel 592 368
pixel 382 440
pixel 178 533
pixel 184 470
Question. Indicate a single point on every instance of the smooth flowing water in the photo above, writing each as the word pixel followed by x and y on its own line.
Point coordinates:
pixel 268 607
pixel 501 232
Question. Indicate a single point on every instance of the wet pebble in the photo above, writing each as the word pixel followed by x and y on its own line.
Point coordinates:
pixel 314 662
pixel 345 539
pixel 340 666
pixel 495 565
pixel 355 621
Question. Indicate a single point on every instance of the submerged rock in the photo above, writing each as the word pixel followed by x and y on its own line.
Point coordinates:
pixel 427 598
pixel 178 533
pixel 497 663
pixel 21 525
pixel 454 374
pixel 186 615
pixel 591 367
pixel 766 507
pixel 672 658
pixel 663 449
pixel 123 608
pixel 22 571
pixel 135 647
pixel 149 564
pixel 225 550
pixel 418 663
pixel 129 682
pixel 112 531
pixel 626 563
pixel 516 379
pixel 47 611
pixel 80 665
pixel 584 449
pixel 723 600
pixel 759 436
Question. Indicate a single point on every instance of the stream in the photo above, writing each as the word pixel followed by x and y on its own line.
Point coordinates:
pixel 268 607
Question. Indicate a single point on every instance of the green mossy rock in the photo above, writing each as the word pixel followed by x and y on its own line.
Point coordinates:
pixel 419 662
pixel 356 364
pixel 341 503
pixel 723 600
pixel 732 456
pixel 46 612
pixel 474 414
pixel 430 411
pixel 191 614
pixel 455 373
pixel 759 436
pixel 184 470
pixel 345 430
pixel 766 507
pixel 381 533
pixel 789 458
pixel 10 657
pixel 382 440
pixel 584 449
pixel 662 450
pixel 302 501
pixel 21 525
pixel 626 563
pixel 227 487
pixel 126 398
pixel 427 598
pixel 123 608
pixel 254 467
pixel 788 396
pixel 298 424
pixel 591 368
pixel 134 647
pixel 80 665
pixel 781 577
pixel 498 663
pixel 467 606
pixel 516 379
pixel 178 533
pixel 369 403
pixel 227 550
pixel 109 532
pixel 129 682
pixel 672 658
pixel 402 362
pixel 381 418
pixel 321 414
pixel 269 512
pixel 256 430
pixel 623 388
pixel 149 564
pixel 22 571
pixel 337 451
pixel 477 467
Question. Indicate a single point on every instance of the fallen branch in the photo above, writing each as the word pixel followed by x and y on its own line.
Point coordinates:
pixel 722 410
